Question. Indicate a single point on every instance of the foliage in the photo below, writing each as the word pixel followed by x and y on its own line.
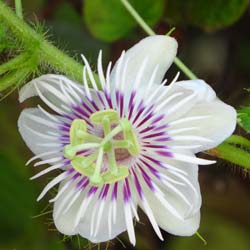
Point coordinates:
pixel 244 118
pixel 112 21
pixel 209 15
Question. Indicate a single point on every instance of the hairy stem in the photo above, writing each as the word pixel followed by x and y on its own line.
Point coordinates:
pixel 232 154
pixel 47 52
pixel 14 63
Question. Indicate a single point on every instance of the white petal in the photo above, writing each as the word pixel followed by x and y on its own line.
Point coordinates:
pixel 184 177
pixel 221 118
pixel 156 50
pixel 103 234
pixel 33 124
pixel 191 217
pixel 65 221
pixel 57 91
pixel 92 225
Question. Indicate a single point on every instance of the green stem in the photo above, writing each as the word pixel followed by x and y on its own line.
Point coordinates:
pixel 19 8
pixel 233 154
pixel 138 18
pixel 238 140
pixel 14 63
pixel 184 69
pixel 15 77
pixel 47 52
pixel 150 32
pixel 201 238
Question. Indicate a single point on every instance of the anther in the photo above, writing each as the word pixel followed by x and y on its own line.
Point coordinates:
pixel 78 127
pixel 110 114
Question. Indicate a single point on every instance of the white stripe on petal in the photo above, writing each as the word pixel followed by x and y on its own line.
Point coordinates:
pixel 108 78
pixel 190 138
pixel 41 120
pixel 167 100
pixel 100 70
pixel 188 119
pixel 160 196
pixel 82 210
pixel 51 184
pixel 99 217
pixel 90 74
pixel 48 161
pixel 184 146
pixel 47 170
pixel 129 223
pixel 177 192
pixel 85 82
pixel 181 130
pixel 180 104
pixel 50 116
pixel 72 200
pixel 49 103
pixel 41 155
pixel 63 189
pixel 192 159
pixel 151 218
pixel 185 179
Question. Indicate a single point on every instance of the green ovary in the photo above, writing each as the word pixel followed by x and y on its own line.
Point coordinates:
pixel 92 164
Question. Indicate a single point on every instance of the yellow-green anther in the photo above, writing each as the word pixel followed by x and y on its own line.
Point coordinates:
pixel 122 173
pixel 75 134
pixel 125 124
pixel 78 163
pixel 110 114
pixel 134 148
pixel 69 152
pixel 90 138
pixel 88 161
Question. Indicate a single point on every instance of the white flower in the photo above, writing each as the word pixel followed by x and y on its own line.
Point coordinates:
pixel 128 143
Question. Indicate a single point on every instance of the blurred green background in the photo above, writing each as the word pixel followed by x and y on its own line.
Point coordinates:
pixel 214 41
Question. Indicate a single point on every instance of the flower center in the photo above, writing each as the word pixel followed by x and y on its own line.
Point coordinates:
pixel 117 143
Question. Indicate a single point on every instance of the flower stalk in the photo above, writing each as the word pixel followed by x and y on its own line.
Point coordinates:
pixel 236 149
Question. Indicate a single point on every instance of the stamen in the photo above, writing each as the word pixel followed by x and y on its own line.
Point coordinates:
pixel 92 165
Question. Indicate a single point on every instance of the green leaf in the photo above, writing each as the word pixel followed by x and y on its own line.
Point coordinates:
pixel 109 20
pixel 66 12
pixel 209 15
pixel 244 118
